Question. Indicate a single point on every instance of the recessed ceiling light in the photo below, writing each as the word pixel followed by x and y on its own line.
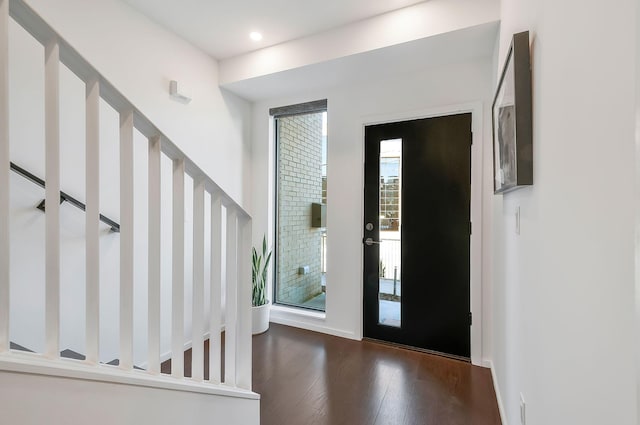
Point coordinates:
pixel 255 36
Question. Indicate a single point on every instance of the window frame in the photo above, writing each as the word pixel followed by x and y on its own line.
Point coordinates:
pixel 306 108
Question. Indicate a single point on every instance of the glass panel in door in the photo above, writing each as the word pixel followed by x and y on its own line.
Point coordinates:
pixel 389 287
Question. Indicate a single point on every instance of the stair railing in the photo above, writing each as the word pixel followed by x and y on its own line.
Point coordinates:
pixel 64 197
pixel 233 250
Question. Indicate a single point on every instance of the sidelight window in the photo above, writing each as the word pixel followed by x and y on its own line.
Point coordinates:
pixel 301 199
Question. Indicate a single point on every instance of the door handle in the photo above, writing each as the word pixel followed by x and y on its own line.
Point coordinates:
pixel 370 242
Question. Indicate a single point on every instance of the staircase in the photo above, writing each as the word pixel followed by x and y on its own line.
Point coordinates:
pixel 65 386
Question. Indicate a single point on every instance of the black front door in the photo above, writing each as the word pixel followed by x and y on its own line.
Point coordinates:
pixel 417 233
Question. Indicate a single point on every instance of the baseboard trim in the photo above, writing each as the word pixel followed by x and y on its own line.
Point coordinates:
pixel 496 387
pixel 305 322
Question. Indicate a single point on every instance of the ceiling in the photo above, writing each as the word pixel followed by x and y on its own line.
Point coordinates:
pixel 453 47
pixel 221 27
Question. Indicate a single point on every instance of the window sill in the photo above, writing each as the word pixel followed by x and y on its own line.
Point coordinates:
pixel 278 310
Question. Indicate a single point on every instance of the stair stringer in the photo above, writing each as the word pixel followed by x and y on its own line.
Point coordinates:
pixel 108 398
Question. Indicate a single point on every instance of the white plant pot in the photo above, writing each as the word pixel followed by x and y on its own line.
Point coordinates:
pixel 260 318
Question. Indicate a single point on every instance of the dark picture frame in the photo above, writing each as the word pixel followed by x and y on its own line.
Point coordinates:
pixel 512 120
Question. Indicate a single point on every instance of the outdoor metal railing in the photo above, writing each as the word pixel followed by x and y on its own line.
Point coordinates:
pixel 390 256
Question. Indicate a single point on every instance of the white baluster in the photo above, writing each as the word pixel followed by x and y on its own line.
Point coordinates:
pixel 92 220
pixel 52 198
pixel 197 337
pixel 126 240
pixel 244 327
pixel 236 244
pixel 231 321
pixel 215 319
pixel 154 255
pixel 177 308
pixel 4 176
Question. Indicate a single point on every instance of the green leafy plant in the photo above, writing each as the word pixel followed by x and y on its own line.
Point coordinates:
pixel 260 264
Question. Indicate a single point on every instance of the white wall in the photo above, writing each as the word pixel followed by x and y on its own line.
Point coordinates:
pixel 140 58
pixel 348 108
pixel 212 130
pixel 563 301
pixel 637 214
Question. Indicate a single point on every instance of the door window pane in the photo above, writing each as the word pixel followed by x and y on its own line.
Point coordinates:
pixel 389 287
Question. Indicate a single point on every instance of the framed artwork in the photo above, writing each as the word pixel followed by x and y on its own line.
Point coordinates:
pixel 512 120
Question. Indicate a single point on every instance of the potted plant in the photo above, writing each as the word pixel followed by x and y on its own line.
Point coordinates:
pixel 260 303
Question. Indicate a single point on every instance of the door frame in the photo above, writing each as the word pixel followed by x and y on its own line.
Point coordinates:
pixel 477 158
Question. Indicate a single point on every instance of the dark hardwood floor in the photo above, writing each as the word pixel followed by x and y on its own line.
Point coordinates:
pixel 307 378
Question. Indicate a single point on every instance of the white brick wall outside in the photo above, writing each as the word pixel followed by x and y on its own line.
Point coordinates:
pixel 299 185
